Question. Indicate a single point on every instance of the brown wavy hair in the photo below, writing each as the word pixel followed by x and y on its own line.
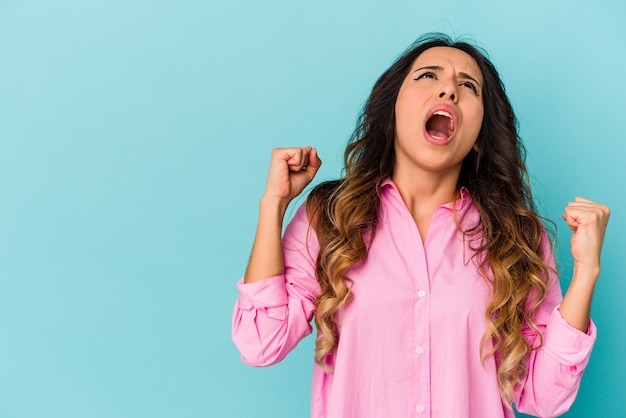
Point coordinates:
pixel 344 214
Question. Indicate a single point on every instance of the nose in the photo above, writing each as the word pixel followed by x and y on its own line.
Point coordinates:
pixel 443 94
pixel 449 90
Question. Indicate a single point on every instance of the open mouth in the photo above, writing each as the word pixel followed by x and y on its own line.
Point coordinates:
pixel 440 125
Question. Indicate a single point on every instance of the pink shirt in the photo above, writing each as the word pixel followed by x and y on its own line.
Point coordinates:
pixel 409 340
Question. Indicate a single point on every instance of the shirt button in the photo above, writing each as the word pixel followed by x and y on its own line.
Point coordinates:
pixel 421 293
pixel 419 351
pixel 419 408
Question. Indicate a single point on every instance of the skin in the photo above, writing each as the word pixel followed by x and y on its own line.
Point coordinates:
pixel 426 176
pixel 588 221
pixel 291 170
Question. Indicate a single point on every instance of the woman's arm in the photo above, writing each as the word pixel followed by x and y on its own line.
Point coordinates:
pixel 277 295
pixel 567 334
pixel 588 221
pixel 291 170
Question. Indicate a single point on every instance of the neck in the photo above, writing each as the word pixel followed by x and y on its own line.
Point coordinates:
pixel 426 188
pixel 423 193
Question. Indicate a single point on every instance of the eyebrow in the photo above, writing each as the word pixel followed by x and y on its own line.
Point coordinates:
pixel 439 68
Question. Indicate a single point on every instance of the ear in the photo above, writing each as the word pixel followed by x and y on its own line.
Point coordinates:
pixel 475 147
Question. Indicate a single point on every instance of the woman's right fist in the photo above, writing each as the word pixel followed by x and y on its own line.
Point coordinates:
pixel 291 170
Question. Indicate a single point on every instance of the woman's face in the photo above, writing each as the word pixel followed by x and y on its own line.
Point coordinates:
pixel 439 112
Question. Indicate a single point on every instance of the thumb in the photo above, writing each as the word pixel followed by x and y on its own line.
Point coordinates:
pixel 314 163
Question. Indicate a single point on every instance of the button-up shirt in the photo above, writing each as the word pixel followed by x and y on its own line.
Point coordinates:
pixel 409 342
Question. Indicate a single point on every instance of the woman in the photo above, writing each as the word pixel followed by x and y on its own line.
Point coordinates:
pixel 427 269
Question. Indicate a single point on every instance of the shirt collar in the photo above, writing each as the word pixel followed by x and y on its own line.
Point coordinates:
pixel 463 200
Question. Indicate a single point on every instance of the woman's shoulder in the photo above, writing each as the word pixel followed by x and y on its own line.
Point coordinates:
pixel 320 196
pixel 324 190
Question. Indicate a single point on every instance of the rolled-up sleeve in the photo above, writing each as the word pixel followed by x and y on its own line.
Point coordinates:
pixel 555 369
pixel 272 315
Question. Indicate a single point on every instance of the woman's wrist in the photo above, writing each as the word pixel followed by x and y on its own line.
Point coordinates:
pixel 586 272
pixel 271 204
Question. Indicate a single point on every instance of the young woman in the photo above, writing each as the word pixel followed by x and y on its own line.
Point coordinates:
pixel 428 272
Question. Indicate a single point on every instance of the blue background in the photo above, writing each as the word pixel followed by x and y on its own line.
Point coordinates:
pixel 134 142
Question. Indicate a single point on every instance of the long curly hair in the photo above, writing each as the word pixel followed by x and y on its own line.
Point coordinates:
pixel 344 214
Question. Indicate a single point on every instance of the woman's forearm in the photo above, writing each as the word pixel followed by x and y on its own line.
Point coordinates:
pixel 291 170
pixel 576 305
pixel 588 221
pixel 266 259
